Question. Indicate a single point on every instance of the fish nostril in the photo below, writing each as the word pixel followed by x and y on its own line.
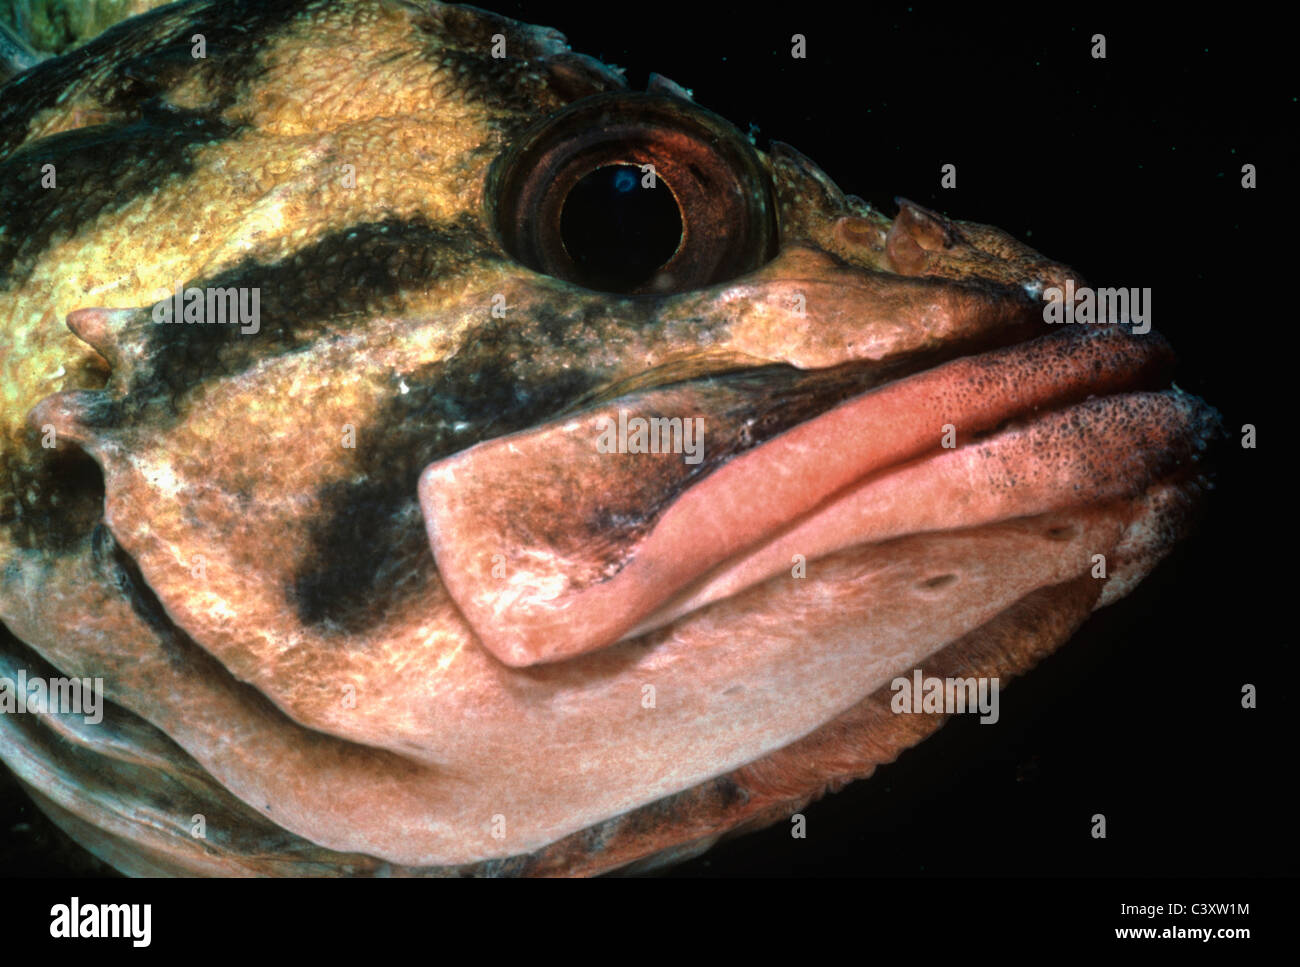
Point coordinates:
pixel 855 230
pixel 938 581
pixel 1062 532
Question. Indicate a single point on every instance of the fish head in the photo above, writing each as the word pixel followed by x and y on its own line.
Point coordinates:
pixel 499 470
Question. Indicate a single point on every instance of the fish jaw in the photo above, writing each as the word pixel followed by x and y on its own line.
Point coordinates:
pixel 539 577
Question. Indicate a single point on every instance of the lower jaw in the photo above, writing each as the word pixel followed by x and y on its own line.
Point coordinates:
pixel 1130 535
pixel 849 746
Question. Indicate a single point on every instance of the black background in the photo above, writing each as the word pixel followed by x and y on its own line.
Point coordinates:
pixel 1128 169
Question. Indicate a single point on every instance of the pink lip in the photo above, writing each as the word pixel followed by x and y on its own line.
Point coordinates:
pixel 873 468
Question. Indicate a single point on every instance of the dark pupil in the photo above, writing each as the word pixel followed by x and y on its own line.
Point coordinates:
pixel 616 231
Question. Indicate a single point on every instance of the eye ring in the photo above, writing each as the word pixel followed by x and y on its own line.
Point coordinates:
pixel 721 189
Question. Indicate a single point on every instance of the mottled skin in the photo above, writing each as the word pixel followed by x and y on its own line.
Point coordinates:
pixel 316 574
pixel 55 26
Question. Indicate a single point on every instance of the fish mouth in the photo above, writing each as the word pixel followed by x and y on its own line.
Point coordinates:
pixel 631 536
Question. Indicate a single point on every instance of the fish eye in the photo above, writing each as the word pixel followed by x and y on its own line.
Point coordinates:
pixel 618 227
pixel 634 194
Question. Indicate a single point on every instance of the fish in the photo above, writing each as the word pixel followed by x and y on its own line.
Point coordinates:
pixel 447 460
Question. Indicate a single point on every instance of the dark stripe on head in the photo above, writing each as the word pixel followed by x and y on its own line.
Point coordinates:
pixel 144 57
pixel 97 169
pixel 369 551
pixel 339 282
